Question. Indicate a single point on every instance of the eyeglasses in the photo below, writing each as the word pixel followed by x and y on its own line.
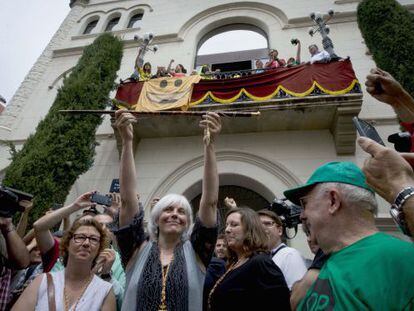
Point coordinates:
pixel 268 224
pixel 80 239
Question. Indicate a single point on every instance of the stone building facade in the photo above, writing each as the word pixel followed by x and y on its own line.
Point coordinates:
pixel 266 160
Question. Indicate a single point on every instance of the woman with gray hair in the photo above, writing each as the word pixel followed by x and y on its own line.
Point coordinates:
pixel 166 272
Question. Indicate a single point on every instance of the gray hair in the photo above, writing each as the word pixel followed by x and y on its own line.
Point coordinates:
pixel 165 202
pixel 313 45
pixel 355 196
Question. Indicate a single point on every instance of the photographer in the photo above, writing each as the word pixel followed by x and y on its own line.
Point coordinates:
pixel 295 61
pixel 13 256
pixel 288 259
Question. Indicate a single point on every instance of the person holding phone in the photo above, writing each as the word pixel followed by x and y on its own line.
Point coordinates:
pixel 75 287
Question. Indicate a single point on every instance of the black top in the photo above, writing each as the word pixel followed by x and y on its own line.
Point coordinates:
pixel 131 237
pixel 215 270
pixel 319 260
pixel 256 285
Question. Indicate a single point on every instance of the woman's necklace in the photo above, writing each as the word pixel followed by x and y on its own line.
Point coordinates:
pixel 66 298
pixel 239 262
pixel 164 271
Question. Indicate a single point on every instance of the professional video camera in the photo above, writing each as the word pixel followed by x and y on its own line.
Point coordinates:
pixel 402 141
pixel 288 213
pixel 9 201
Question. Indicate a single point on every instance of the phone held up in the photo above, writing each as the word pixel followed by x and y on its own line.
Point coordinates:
pixel 367 130
pixel 101 199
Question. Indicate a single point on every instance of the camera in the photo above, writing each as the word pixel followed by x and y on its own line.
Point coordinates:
pixel 288 213
pixel 101 199
pixel 9 201
pixel 294 41
pixel 402 141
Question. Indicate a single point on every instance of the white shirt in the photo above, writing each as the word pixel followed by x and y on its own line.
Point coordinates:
pixel 322 56
pixel 91 300
pixel 291 263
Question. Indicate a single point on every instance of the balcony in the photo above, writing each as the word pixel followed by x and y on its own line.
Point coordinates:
pixel 304 97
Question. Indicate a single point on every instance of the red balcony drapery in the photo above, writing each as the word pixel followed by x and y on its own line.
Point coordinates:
pixel 334 78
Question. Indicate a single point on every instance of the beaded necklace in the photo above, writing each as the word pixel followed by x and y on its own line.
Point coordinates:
pixel 163 304
pixel 66 298
pixel 239 262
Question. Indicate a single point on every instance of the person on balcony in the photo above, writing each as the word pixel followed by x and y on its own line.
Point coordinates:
pixel 259 66
pixel 166 272
pixel 318 56
pixel 142 72
pixel 295 61
pixel 274 61
pixel 179 71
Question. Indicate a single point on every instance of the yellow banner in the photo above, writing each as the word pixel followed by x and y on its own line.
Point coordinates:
pixel 166 93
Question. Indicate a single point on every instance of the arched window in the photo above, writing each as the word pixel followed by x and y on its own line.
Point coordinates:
pixel 112 23
pixel 90 27
pixel 232 48
pixel 135 20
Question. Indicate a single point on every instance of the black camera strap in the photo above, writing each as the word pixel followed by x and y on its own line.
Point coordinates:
pixel 277 250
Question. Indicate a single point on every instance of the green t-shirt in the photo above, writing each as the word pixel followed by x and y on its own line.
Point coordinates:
pixel 375 273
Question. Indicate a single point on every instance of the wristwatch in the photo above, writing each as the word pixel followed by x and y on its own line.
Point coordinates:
pixel 396 209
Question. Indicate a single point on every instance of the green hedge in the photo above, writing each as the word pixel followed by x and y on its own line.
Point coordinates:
pixel 388 31
pixel 63 146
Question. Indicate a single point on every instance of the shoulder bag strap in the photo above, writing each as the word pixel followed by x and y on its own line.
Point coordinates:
pixel 51 292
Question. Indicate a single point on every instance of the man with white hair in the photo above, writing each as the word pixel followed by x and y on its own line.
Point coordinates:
pixel 367 269
pixel 318 56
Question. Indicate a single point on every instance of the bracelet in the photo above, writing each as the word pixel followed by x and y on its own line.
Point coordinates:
pixel 403 196
pixel 396 209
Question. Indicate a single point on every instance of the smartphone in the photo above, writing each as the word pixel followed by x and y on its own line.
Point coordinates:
pixel 101 199
pixel 114 186
pixel 367 130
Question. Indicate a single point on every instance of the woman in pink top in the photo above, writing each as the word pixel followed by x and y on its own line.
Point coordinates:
pixel 274 62
pixel 179 71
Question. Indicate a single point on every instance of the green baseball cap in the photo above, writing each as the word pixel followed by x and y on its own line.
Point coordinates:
pixel 340 172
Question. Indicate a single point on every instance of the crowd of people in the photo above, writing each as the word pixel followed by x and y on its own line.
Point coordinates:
pixel 83 257
pixel 143 71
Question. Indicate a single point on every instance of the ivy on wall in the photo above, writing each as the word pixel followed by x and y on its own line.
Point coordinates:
pixel 63 146
pixel 388 31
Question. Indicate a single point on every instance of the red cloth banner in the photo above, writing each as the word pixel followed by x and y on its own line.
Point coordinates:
pixel 334 78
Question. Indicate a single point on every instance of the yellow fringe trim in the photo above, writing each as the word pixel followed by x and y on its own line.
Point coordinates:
pixel 280 87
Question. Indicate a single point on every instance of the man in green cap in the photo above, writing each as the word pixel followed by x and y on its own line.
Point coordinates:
pixel 366 270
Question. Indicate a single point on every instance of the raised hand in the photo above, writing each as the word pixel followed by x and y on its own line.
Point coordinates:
pixel 28 205
pixel 230 203
pixel 104 261
pixel 382 86
pixel 123 122
pixel 211 124
pixel 84 201
pixel 387 171
pixel 113 210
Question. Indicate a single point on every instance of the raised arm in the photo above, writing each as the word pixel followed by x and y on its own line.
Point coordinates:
pixel 382 86
pixel 169 66
pixel 43 225
pixel 18 256
pixel 139 61
pixel 127 173
pixel 208 204
pixel 298 52
pixel 22 225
